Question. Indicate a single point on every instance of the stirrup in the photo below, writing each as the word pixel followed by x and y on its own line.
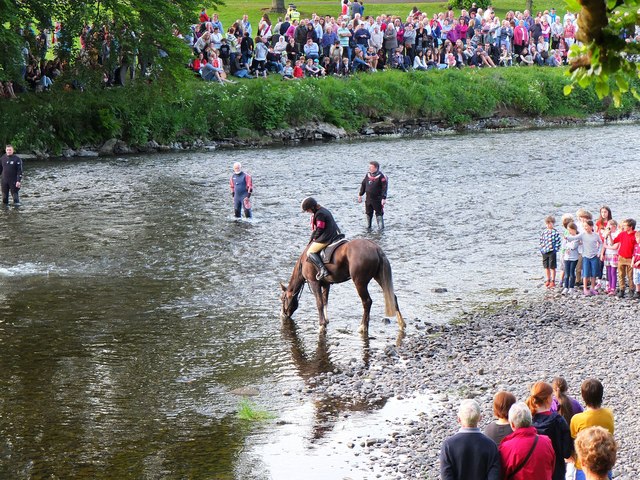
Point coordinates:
pixel 322 273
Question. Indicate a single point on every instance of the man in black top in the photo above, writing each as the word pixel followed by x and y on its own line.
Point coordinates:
pixel 325 230
pixel 11 175
pixel 469 454
pixel 375 186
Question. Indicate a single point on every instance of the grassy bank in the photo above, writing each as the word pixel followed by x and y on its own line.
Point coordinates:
pixel 195 109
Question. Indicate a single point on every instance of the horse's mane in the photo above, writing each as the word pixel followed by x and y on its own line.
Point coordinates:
pixel 297 280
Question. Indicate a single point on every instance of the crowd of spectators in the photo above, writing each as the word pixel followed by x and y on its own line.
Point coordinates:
pixel 550 436
pixel 296 47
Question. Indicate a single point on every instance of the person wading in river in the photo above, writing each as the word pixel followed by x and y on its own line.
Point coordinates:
pixel 241 188
pixel 325 230
pixel 11 174
pixel 375 186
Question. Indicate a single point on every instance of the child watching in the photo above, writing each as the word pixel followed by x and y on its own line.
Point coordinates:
pixel 570 258
pixel 287 73
pixel 297 71
pixel 609 255
pixel 567 218
pixel 550 241
pixel 626 241
pixel 591 246
pixel 636 267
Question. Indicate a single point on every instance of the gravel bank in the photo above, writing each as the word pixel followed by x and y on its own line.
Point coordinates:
pixel 508 349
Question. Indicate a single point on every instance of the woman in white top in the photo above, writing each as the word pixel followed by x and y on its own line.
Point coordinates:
pixel 418 61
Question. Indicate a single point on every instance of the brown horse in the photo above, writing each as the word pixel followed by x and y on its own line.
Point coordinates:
pixel 359 260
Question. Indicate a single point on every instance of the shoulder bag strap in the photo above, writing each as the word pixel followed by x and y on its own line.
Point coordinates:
pixel 524 462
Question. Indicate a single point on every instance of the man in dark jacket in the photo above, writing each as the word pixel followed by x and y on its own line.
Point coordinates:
pixel 469 454
pixel 375 186
pixel 325 230
pixel 11 175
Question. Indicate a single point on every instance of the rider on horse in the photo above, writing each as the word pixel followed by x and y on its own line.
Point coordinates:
pixel 325 230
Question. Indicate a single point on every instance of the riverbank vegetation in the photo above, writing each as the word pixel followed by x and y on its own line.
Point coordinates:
pixel 192 109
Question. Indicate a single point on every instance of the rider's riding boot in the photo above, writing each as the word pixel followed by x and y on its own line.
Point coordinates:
pixel 317 261
pixel 380 221
pixel 369 219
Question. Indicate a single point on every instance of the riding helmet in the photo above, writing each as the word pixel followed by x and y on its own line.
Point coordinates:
pixel 309 203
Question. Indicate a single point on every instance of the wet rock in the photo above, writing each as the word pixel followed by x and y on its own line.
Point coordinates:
pixel 121 148
pixel 439 290
pixel 107 147
pixel 86 153
pixel 246 391
pixel 68 153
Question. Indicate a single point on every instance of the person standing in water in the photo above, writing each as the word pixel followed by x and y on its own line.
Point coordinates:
pixel 241 189
pixel 374 186
pixel 11 175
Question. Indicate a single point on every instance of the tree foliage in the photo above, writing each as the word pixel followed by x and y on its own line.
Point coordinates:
pixel 143 27
pixel 605 59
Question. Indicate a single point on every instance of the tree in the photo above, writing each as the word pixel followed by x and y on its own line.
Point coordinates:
pixel 137 27
pixel 607 59
pixel 277 6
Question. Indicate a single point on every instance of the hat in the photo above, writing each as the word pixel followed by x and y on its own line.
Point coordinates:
pixel 316 61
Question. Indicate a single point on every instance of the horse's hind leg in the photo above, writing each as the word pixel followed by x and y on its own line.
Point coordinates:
pixel 362 290
pixel 401 322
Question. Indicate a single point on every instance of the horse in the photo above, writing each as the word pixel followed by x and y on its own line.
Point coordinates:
pixel 359 260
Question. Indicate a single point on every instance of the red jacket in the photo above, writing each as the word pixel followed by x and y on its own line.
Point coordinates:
pixel 514 449
pixel 520 36
pixel 627 242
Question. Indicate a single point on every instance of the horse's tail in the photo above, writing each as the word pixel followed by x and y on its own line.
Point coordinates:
pixel 386 282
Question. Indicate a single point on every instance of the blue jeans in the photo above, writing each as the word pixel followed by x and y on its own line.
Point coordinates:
pixel 359 64
pixel 242 73
pixel 569 273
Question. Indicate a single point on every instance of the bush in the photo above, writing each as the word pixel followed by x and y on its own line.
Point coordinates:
pixel 190 109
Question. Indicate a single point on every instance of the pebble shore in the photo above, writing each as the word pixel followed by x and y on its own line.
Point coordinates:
pixel 508 349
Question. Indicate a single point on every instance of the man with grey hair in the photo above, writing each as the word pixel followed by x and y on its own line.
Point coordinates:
pixel 525 454
pixel 469 454
pixel 241 188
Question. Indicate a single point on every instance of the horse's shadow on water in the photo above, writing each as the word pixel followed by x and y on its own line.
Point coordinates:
pixel 311 365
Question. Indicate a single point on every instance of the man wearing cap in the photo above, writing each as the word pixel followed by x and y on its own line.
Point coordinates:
pixel 241 189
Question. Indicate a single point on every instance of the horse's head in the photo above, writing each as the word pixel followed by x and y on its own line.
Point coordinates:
pixel 289 301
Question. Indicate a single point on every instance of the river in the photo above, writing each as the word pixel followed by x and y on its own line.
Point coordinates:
pixel 132 303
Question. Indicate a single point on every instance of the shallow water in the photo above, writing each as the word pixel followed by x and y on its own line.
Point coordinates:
pixel 132 303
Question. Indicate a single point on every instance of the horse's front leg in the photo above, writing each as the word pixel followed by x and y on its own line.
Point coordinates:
pixel 363 292
pixel 320 304
pixel 325 300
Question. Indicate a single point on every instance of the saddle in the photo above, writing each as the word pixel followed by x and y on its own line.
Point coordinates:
pixel 327 253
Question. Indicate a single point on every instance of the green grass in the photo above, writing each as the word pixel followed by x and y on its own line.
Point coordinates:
pixel 250 412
